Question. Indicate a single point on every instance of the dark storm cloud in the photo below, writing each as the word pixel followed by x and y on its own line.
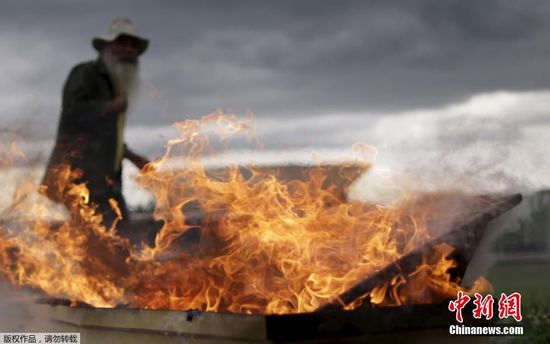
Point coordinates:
pixel 297 58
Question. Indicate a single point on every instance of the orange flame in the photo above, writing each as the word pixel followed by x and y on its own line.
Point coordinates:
pixel 267 245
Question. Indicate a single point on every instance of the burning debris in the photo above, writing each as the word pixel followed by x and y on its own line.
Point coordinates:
pixel 268 245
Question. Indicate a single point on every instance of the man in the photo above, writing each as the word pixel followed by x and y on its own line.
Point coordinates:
pixel 90 135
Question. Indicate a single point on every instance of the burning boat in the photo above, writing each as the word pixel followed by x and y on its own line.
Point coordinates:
pixel 279 256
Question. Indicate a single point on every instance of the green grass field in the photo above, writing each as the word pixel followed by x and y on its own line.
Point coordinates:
pixel 532 280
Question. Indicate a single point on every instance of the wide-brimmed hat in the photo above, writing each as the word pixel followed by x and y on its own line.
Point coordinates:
pixel 120 27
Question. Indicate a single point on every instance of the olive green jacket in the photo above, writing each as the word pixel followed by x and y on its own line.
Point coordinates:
pixel 87 137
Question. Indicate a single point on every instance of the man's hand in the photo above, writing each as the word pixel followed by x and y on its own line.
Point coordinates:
pixel 136 159
pixel 116 106
pixel 139 161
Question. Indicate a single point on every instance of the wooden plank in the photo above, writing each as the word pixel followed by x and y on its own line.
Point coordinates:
pixel 464 238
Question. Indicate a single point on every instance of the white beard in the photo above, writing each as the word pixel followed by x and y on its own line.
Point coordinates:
pixel 124 76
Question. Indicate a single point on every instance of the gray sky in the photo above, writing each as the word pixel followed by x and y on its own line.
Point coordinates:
pixel 296 58
pixel 319 73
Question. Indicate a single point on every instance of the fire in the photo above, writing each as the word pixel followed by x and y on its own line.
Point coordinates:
pixel 430 280
pixel 61 259
pixel 267 245
pixel 9 153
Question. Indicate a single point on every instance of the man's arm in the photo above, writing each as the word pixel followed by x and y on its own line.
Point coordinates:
pixel 136 159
